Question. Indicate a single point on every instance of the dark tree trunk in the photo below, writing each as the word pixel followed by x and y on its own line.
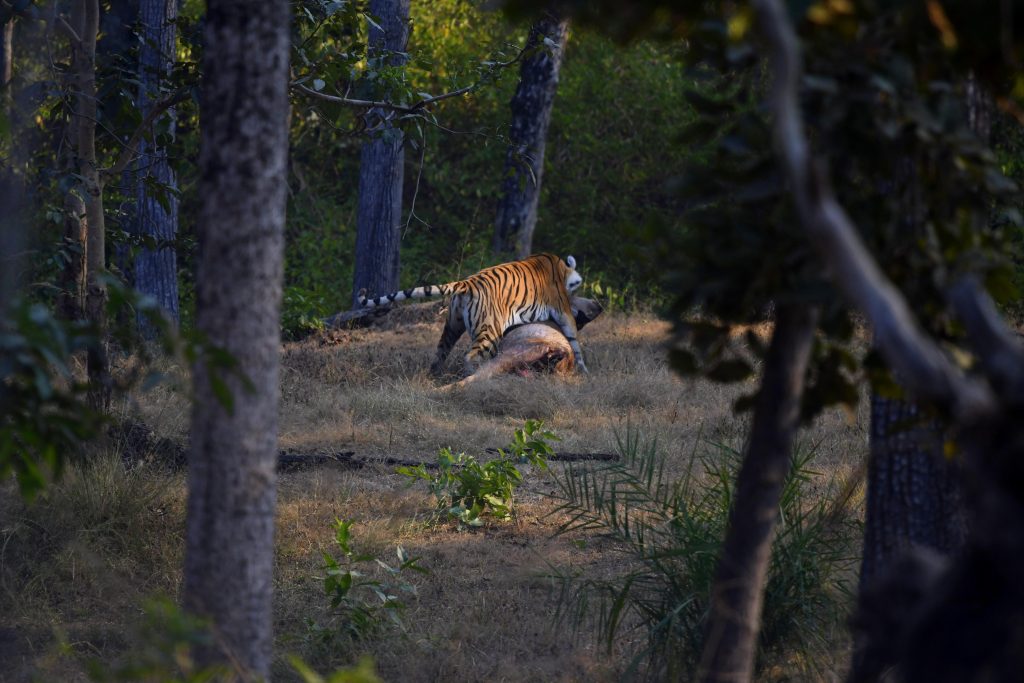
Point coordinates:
pixel 232 481
pixel 155 271
pixel 531 113
pixel 381 170
pixel 913 491
pixel 737 594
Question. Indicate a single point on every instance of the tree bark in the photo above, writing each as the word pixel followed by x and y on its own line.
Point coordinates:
pixel 381 169
pixel 232 481
pixel 86 16
pixel 155 271
pixel 737 594
pixel 71 299
pixel 913 491
pixel 531 113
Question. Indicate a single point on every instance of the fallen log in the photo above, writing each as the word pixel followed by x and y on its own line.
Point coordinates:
pixel 290 461
pixel 137 444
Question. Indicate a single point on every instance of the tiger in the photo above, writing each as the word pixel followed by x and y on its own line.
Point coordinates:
pixel 488 303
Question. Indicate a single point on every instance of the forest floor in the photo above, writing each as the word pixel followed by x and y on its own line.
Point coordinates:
pixel 77 565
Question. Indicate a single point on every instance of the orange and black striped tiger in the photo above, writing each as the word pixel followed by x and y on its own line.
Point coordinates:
pixel 497 298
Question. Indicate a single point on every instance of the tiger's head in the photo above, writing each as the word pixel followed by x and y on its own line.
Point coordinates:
pixel 573 280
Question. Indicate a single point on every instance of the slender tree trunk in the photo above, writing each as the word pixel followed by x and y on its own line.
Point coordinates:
pixel 737 594
pixel 232 481
pixel 531 113
pixel 155 271
pixel 71 299
pixel 381 170
pixel 86 16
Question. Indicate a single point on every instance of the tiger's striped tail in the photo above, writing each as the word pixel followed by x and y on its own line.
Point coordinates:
pixel 415 293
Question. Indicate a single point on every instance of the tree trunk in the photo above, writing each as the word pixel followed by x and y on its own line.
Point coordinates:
pixel 71 298
pixel 914 492
pixel 155 271
pixel 531 113
pixel 232 481
pixel 737 594
pixel 86 16
pixel 381 170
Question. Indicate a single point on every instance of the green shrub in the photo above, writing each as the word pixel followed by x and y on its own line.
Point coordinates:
pixel 469 491
pixel 360 604
pixel 671 532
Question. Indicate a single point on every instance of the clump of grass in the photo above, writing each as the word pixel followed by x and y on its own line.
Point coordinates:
pixel 102 534
pixel 671 533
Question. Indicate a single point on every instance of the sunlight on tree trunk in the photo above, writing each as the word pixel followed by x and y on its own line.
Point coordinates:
pixel 531 113
pixel 228 574
pixel 85 20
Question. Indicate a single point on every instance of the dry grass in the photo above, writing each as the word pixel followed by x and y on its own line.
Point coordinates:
pixel 80 566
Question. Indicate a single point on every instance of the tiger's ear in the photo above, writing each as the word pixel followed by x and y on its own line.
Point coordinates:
pixel 571 261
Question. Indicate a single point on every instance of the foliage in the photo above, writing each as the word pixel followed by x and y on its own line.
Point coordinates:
pixel 354 616
pixel 469 491
pixel 46 417
pixel 164 653
pixel 44 411
pixel 302 312
pixel 671 532
pixel 363 672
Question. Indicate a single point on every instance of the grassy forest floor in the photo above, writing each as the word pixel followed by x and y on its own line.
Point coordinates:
pixel 77 565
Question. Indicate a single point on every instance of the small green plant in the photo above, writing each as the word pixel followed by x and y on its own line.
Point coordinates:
pixel 302 312
pixel 361 603
pixel 469 491
pixel 672 530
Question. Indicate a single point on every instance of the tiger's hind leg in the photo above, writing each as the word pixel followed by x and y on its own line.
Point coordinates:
pixel 454 327
pixel 485 346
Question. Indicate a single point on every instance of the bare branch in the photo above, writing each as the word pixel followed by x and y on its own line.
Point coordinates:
pixel 68 31
pixel 406 108
pixel 131 147
pixel 926 372
pixel 999 351
pixel 382 104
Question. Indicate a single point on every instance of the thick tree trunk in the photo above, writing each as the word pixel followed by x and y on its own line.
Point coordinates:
pixel 913 491
pixel 381 170
pixel 531 113
pixel 155 271
pixel 737 594
pixel 232 482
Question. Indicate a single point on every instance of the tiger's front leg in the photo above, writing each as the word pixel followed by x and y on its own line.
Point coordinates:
pixel 567 323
